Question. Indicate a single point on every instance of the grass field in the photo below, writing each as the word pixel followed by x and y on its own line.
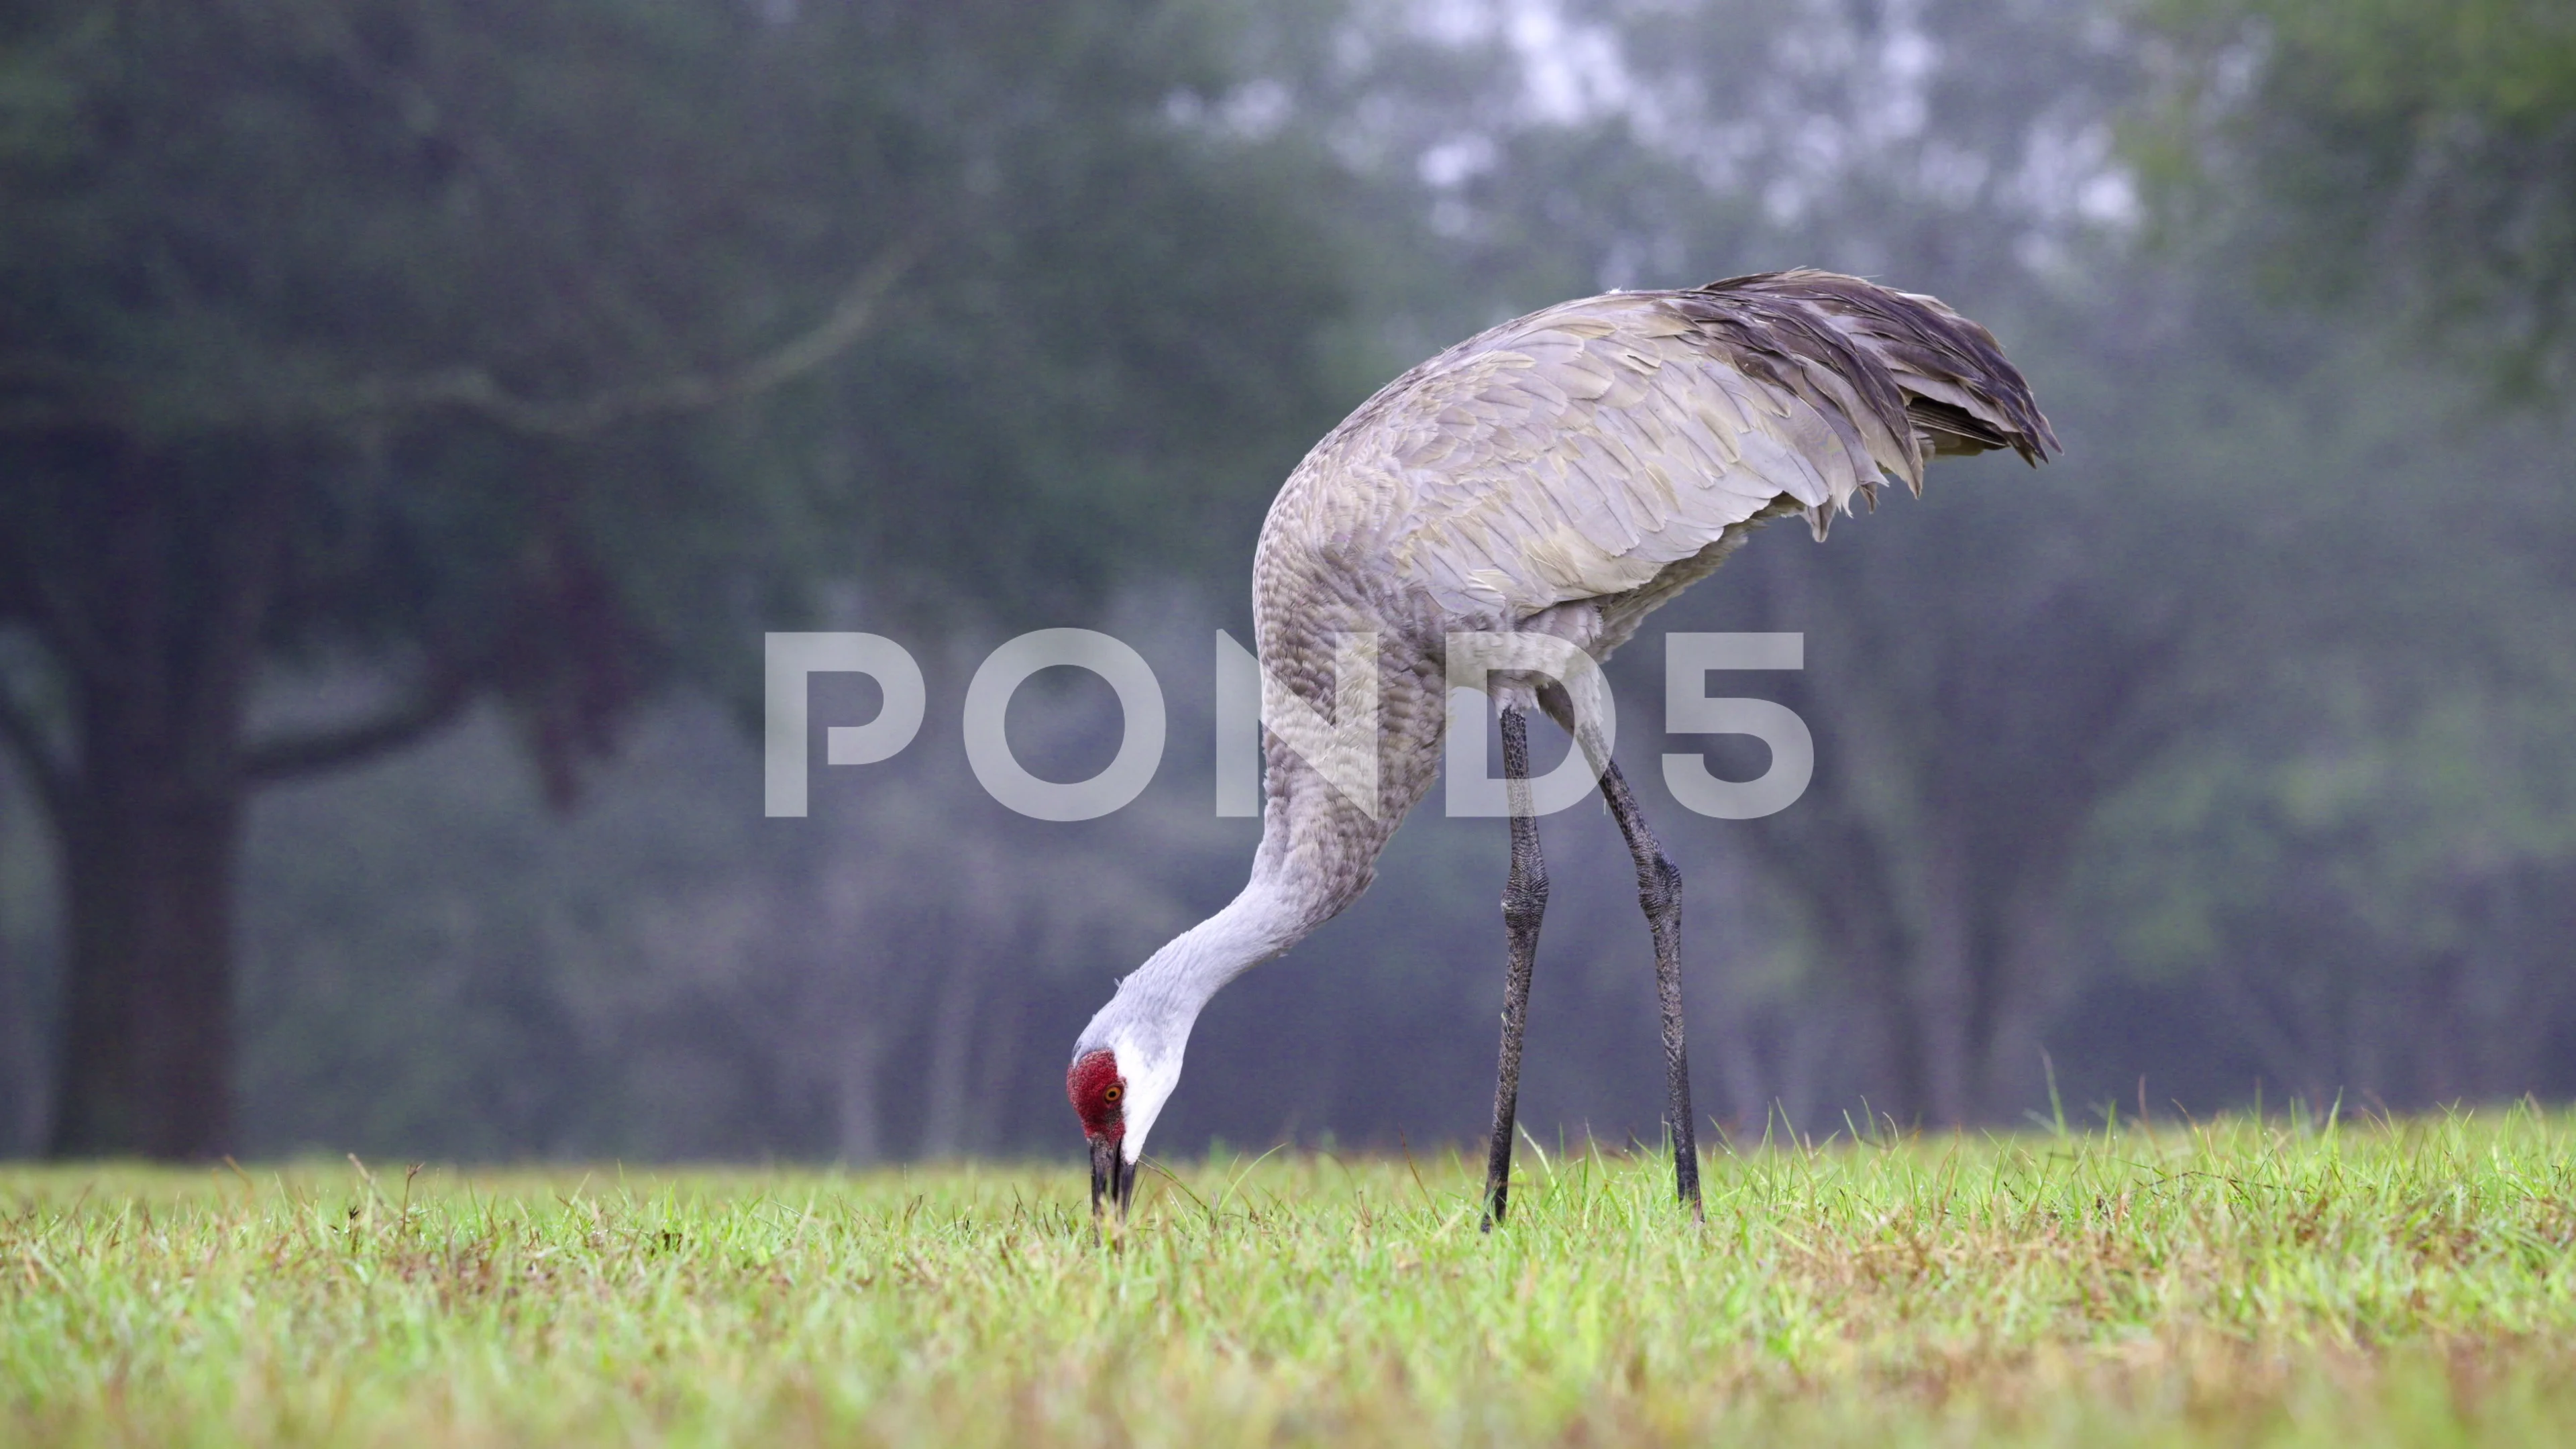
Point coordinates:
pixel 2343 1285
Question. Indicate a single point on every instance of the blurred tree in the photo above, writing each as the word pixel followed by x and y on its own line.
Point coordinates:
pixel 400 337
pixel 2409 156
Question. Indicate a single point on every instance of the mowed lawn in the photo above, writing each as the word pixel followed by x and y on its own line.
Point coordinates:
pixel 2345 1284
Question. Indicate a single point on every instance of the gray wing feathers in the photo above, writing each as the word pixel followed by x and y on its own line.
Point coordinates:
pixel 1578 451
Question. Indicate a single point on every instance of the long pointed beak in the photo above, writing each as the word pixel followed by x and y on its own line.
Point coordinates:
pixel 1111 1177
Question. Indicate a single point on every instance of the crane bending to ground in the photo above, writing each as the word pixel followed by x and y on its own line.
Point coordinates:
pixel 1563 474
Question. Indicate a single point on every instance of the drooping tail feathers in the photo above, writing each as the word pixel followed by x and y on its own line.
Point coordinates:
pixel 1897 364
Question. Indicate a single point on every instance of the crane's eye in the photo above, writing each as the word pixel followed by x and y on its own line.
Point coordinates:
pixel 1112 1093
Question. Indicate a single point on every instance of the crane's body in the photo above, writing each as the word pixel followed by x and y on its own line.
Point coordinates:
pixel 1564 473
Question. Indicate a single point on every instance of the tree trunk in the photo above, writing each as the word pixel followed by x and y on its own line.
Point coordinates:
pixel 145 1062
pixel 150 839
pixel 952 1040
pixel 858 1123
pixel 1945 977
pixel 165 587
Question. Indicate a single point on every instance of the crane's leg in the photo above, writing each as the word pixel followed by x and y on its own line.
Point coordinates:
pixel 1524 903
pixel 1659 890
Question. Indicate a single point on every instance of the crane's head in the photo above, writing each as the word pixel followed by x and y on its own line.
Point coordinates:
pixel 1099 1096
pixel 1118 1088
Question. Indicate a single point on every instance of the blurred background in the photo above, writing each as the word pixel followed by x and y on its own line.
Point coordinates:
pixel 413 412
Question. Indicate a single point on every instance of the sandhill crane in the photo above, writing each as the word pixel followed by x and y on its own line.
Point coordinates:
pixel 1562 474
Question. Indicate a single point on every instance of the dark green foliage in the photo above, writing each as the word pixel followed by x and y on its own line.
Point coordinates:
pixel 2407 155
pixel 285 224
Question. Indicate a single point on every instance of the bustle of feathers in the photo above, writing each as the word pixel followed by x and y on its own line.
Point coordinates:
pixel 1906 354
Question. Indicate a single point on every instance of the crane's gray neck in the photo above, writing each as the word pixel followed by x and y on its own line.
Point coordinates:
pixel 1311 863
pixel 1159 1000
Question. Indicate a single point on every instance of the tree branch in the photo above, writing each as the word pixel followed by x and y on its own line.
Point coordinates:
pixel 44 766
pixel 96 398
pixel 435 703
pixel 44 599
